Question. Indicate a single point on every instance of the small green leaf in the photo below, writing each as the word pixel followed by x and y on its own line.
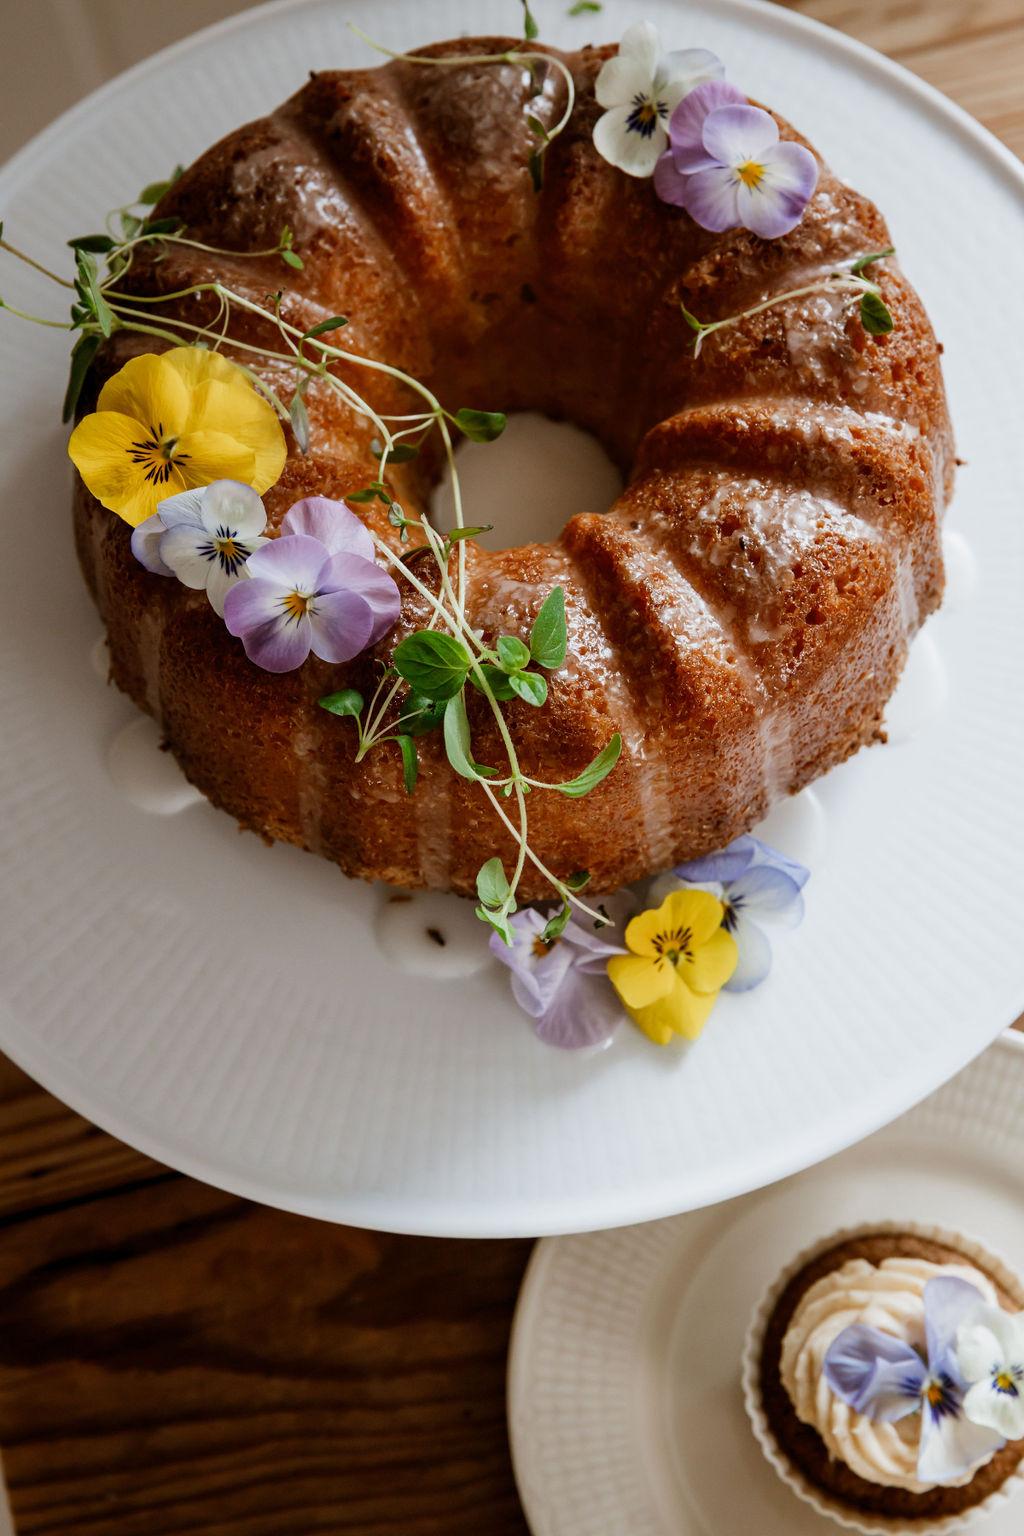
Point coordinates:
pixel 863 262
pixel 579 880
pixel 537 128
pixel 293 260
pixel 530 686
pixel 499 923
pixel 130 224
pixel 400 453
pixel 457 742
pixel 299 417
pixel 88 287
pixel 691 320
pixel 497 681
pixel 410 763
pixel 531 31
pixel 535 166
pixel 594 772
pixel 161 226
pixel 375 491
pixel 347 702
pixel 468 533
pixel 874 315
pixel 333 324
pixel 548 636
pixel 82 354
pixel 512 653
pixel 156 189
pixel 585 7
pixel 492 884
pixel 98 243
pixel 434 664
pixel 480 426
pixel 420 714
pixel 556 926
pixel 398 519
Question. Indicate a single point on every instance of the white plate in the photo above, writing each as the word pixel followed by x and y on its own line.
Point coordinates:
pixel 226 1008
pixel 624 1400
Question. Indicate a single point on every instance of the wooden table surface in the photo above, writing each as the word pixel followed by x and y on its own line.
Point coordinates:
pixel 173 1359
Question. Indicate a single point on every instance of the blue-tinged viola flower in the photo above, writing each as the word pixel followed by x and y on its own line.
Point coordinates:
pixel 561 983
pixel 316 588
pixel 728 168
pixel 756 884
pixel 640 87
pixel 990 1354
pixel 204 537
pixel 884 1378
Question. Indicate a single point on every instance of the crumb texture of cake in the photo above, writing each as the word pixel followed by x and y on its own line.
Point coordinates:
pixel 741 613
pixel 867 1465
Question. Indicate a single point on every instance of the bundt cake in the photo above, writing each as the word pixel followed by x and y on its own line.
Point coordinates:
pixel 742 612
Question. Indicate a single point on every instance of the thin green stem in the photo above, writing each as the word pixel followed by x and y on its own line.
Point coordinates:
pixel 30 261
pixel 836 279
pixel 53 325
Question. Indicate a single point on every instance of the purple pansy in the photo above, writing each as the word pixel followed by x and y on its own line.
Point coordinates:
pixel 727 166
pixel 756 884
pixel 886 1379
pixel 315 588
pixel 562 985
pixel 204 537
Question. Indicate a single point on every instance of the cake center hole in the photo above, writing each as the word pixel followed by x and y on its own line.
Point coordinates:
pixel 529 482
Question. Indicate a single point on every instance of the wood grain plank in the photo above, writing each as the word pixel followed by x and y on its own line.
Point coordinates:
pixel 984 74
pixel 901 27
pixel 175 1359
pixel 49 1155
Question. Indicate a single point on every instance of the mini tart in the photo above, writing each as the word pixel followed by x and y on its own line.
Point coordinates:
pixel 797 1451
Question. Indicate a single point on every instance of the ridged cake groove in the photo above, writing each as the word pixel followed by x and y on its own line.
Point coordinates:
pixel 408 190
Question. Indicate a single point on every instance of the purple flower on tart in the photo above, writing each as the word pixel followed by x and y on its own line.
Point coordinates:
pixel 315 588
pixel 561 983
pixel 885 1378
pixel 727 166
pixel 756 885
pixel 204 537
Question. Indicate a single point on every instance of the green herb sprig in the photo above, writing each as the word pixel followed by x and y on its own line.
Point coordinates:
pixel 848 278
pixel 425 688
pixel 437 667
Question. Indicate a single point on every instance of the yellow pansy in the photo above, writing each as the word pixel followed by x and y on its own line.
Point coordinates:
pixel 171 421
pixel 680 958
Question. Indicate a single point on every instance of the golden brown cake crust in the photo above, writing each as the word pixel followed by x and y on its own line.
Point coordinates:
pixel 741 614
pixel 805 1447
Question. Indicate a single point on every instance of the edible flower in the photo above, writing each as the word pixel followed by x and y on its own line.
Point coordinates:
pixel 203 537
pixel 316 588
pixel 728 168
pixel 990 1353
pixel 640 87
pixel 680 958
pixel 560 982
pixel 886 1379
pixel 170 422
pixel 756 884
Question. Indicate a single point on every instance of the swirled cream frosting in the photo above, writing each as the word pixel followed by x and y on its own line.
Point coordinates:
pixel 889 1296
